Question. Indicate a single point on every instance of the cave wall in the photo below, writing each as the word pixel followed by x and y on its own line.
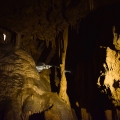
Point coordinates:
pixel 95 35
pixel 41 21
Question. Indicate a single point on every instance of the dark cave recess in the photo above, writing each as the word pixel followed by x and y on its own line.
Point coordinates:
pixel 37 116
pixel 87 51
pixel 95 30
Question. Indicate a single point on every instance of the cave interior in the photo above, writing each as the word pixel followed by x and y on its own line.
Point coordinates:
pixel 38 27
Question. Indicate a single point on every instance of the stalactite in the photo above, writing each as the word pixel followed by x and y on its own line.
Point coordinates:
pixel 47 43
pixel 75 26
pixel 91 2
pixel 51 54
pixel 40 49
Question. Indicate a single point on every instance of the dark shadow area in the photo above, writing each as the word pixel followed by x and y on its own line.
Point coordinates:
pixel 71 94
pixel 37 116
pixel 52 80
pixel 2 114
pixel 55 79
pixel 86 58
pixel 45 52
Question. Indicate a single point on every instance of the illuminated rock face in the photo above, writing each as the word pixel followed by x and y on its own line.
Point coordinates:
pixel 111 76
pixel 22 92
pixel 20 86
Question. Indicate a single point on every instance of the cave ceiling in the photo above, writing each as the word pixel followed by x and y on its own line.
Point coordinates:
pixel 41 18
pixel 44 18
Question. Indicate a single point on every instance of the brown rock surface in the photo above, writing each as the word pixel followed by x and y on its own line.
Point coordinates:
pixel 23 92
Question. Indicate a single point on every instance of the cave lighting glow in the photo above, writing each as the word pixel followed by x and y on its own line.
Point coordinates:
pixel 4 35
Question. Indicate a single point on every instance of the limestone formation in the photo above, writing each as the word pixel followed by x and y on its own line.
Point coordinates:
pixel 112 75
pixel 23 92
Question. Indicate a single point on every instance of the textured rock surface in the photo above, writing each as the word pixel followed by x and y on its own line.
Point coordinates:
pixel 20 84
pixel 44 19
pixel 59 111
pixel 111 76
pixel 22 92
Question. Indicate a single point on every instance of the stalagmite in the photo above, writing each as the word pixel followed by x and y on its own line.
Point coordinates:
pixel 63 83
pixel 85 115
pixel 108 114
